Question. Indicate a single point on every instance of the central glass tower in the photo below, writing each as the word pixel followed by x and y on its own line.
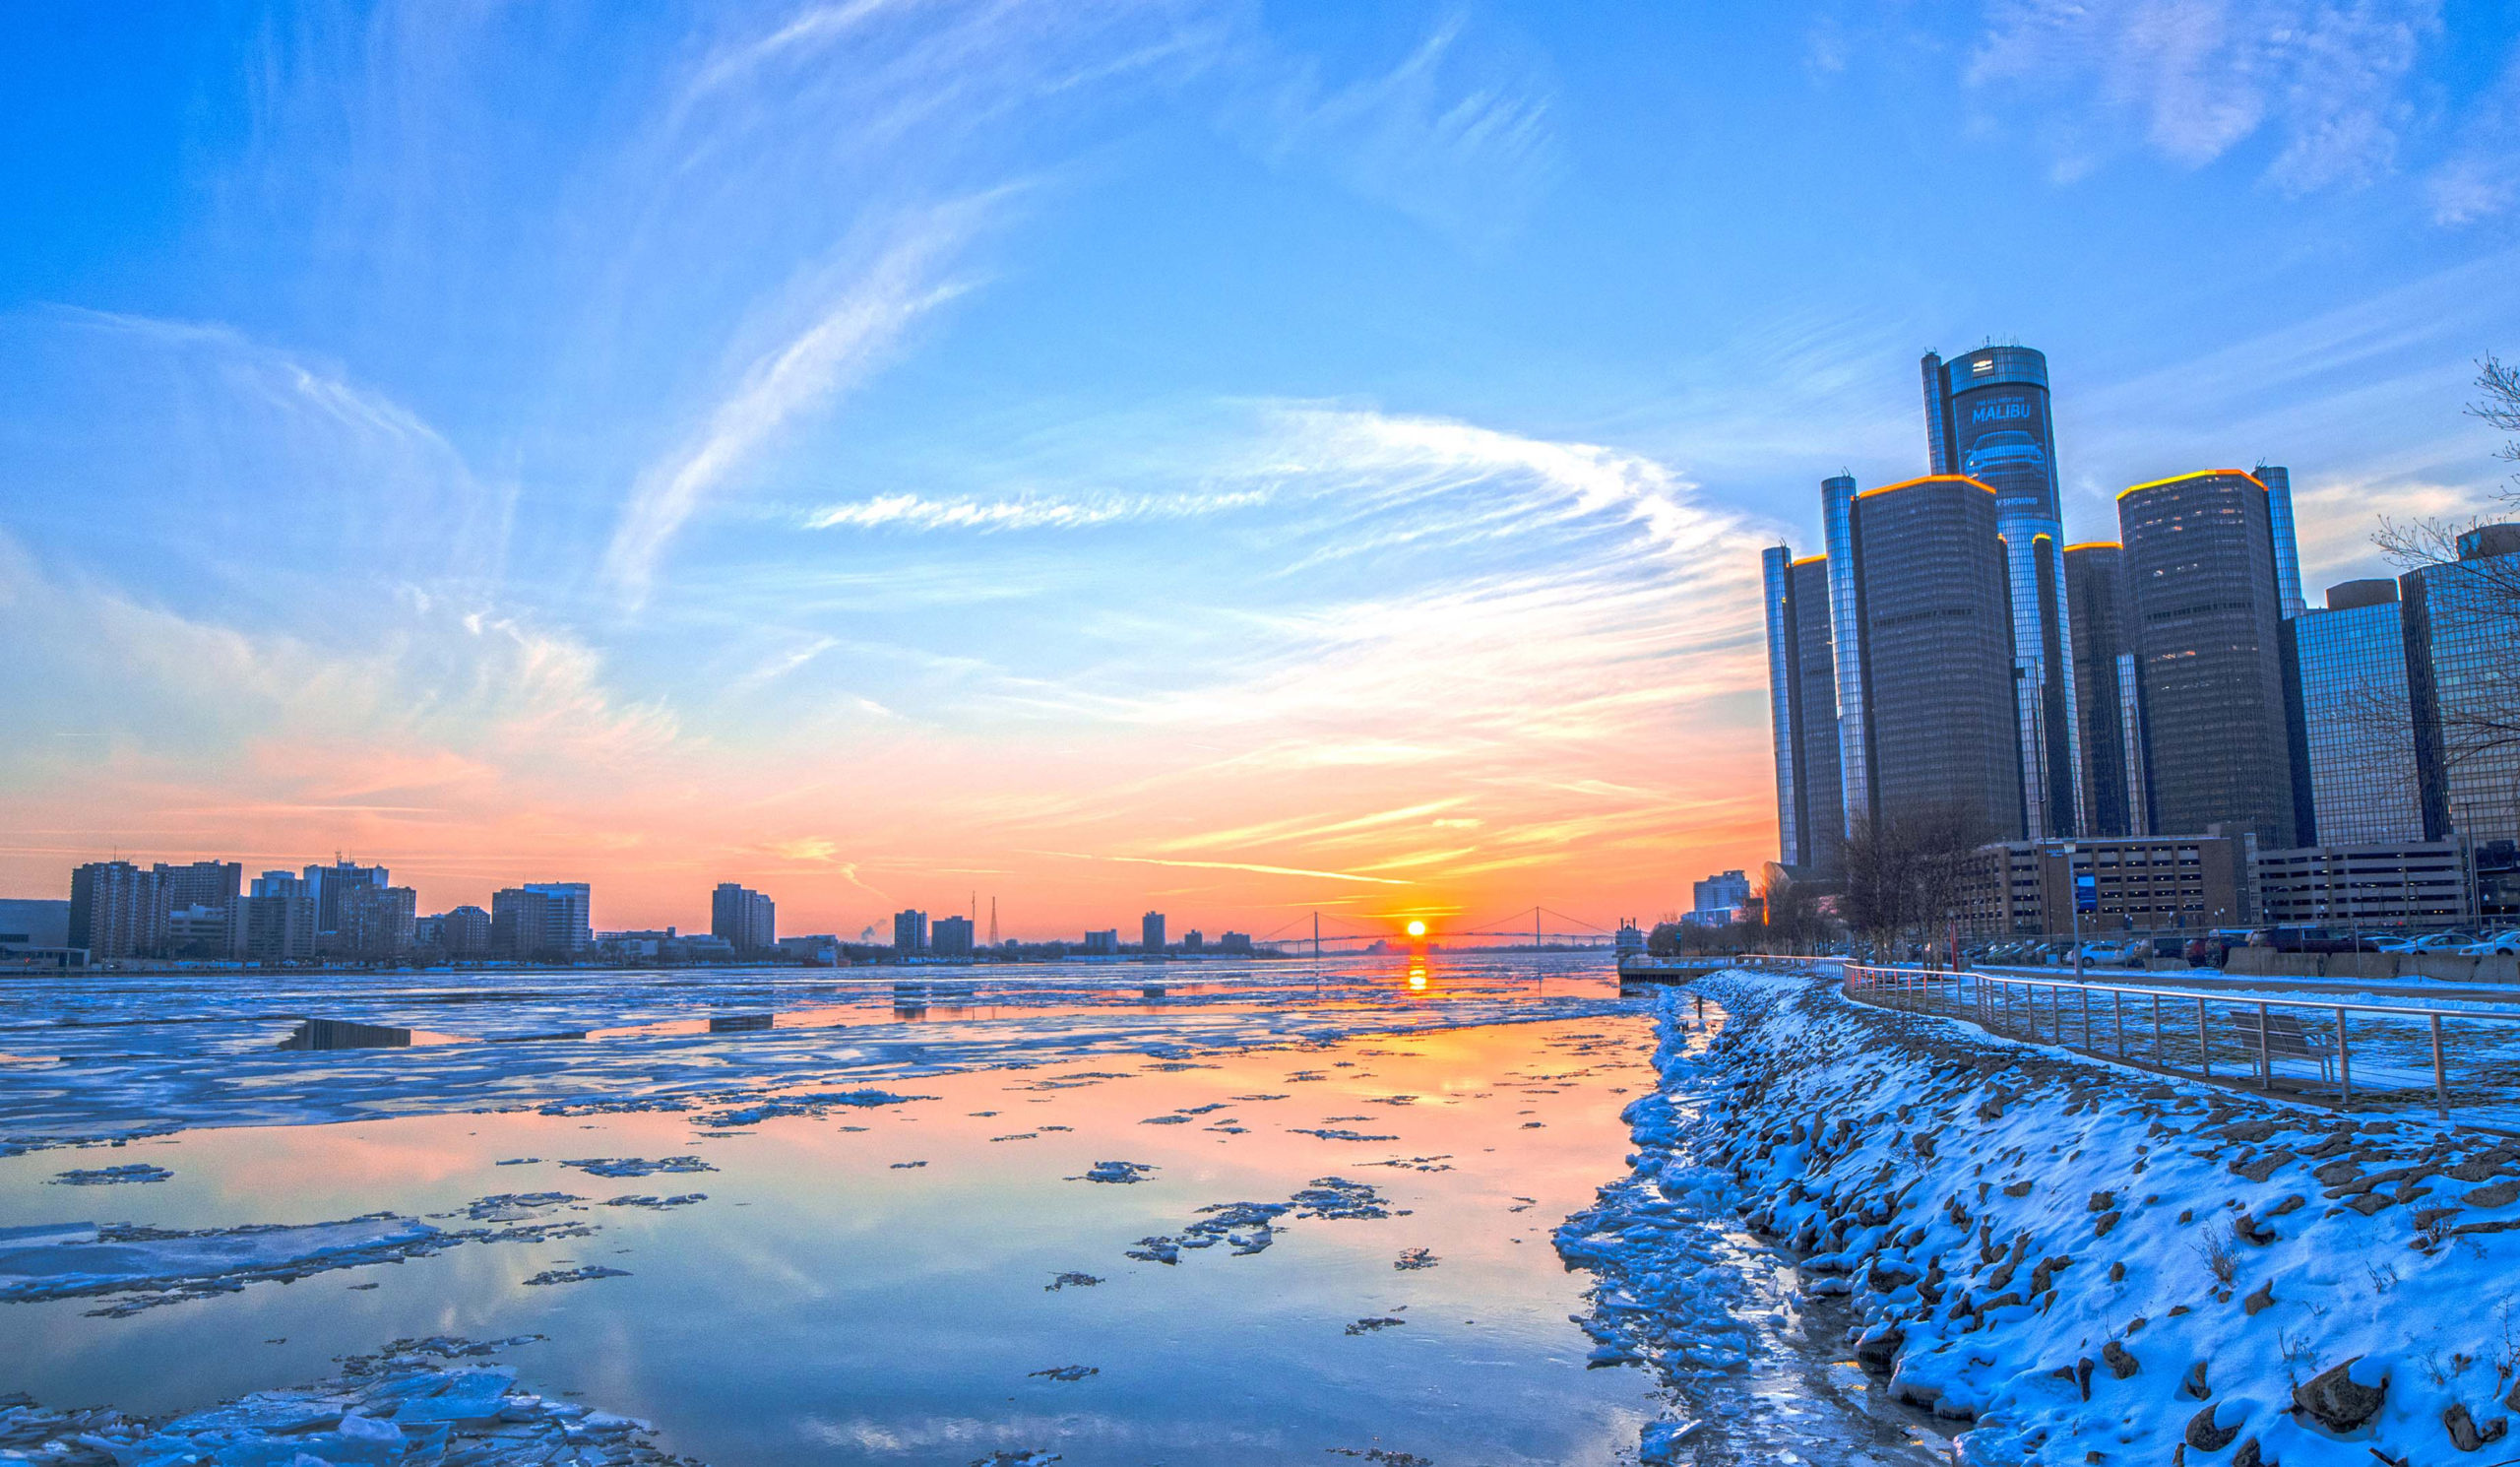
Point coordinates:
pixel 1987 419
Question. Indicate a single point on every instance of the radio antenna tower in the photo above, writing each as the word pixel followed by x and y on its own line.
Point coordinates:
pixel 992 920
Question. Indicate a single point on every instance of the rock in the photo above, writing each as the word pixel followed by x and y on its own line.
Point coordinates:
pixel 2018 1189
pixel 2248 1455
pixel 2117 1273
pixel 2337 1401
pixel 2193 1384
pixel 2099 1225
pixel 2102 1202
pixel 2462 1427
pixel 2122 1361
pixel 2260 1298
pixel 1878 1352
pixel 2204 1435
pixel 2369 1203
pixel 2293 1203
pixel 2499 1194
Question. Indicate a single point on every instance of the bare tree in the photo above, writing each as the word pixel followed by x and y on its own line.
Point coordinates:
pixel 1907 875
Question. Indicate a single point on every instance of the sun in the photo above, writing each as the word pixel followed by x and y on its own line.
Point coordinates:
pixel 1417 929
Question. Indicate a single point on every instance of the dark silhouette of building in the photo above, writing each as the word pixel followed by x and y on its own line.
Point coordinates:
pixel 2105 687
pixel 117 909
pixel 2208 626
pixel 1987 418
pixel 950 937
pixel 909 932
pixel 541 921
pixel 1803 706
pixel 1935 643
pixel 743 918
pixel 1151 932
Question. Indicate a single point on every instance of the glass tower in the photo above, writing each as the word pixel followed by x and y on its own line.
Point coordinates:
pixel 2357 718
pixel 1987 417
pixel 2461 620
pixel 1803 702
pixel 2288 552
pixel 2095 598
pixel 1936 654
pixel 1854 764
pixel 2208 627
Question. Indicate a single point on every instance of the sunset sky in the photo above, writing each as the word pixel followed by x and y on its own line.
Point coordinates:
pixel 1233 458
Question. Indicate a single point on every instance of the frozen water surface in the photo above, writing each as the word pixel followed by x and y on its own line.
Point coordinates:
pixel 902 1247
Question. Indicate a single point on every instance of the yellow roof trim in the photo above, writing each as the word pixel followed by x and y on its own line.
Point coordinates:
pixel 2097 545
pixel 2198 474
pixel 1807 560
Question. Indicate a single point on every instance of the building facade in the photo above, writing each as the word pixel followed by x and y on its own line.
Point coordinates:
pixel 2139 886
pixel 909 932
pixel 1802 709
pixel 2288 552
pixel 1103 944
pixel 2357 718
pixel 1151 932
pixel 1935 640
pixel 2104 686
pixel 746 919
pixel 1721 892
pixel 950 937
pixel 1987 420
pixel 2410 884
pixel 2207 621
pixel 376 923
pixel 116 911
pixel 2463 624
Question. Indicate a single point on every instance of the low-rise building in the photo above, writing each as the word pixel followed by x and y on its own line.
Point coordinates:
pixel 2126 884
pixel 1103 944
pixel 2414 884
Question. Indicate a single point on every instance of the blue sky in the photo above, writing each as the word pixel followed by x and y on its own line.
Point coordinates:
pixel 1234 458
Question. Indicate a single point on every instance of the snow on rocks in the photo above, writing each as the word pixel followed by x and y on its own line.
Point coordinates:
pixel 397 1408
pixel 2083 1262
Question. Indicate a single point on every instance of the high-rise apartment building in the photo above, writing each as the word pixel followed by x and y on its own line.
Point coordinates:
pixel 1987 420
pixel 744 919
pixel 1151 932
pixel 325 885
pixel 2208 627
pixel 1803 698
pixel 117 909
pixel 2357 718
pixel 464 932
pixel 950 937
pixel 1103 944
pixel 1934 639
pixel 2463 622
pixel 376 922
pixel 2105 687
pixel 909 932
pixel 279 919
pixel 542 920
pixel 569 906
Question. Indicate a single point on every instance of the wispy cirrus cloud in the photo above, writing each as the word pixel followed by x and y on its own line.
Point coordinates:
pixel 2198 77
pixel 919 512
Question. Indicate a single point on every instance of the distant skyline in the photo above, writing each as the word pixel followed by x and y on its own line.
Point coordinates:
pixel 1220 459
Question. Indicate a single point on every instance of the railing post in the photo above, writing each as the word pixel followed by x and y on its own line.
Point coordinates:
pixel 2160 1060
pixel 2441 1077
pixel 2118 1018
pixel 2088 1047
pixel 2344 1061
pixel 2265 1059
pixel 2204 1042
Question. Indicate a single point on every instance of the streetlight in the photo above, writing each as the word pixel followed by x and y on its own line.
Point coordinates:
pixel 2074 896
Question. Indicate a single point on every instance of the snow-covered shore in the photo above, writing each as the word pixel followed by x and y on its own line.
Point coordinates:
pixel 2076 1261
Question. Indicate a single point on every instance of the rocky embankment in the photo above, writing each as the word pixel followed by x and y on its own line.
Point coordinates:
pixel 2080 1263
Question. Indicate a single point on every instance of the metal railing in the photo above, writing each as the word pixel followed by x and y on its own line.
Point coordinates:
pixel 2376 1056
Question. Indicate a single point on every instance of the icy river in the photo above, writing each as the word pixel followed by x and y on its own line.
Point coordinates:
pixel 1195 1213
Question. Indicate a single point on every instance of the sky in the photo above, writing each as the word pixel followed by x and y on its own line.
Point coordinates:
pixel 1091 456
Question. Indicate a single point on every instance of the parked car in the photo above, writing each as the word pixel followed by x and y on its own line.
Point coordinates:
pixel 2104 954
pixel 2501 944
pixel 2210 951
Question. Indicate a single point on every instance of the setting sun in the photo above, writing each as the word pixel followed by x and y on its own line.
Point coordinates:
pixel 1417 929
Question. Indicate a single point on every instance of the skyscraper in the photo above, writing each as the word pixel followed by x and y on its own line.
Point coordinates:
pixel 325 885
pixel 2208 627
pixel 746 919
pixel 1935 644
pixel 2288 550
pixel 909 932
pixel 1845 638
pixel 2358 718
pixel 1987 419
pixel 1802 708
pixel 569 914
pixel 1151 932
pixel 2462 621
pixel 2105 686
